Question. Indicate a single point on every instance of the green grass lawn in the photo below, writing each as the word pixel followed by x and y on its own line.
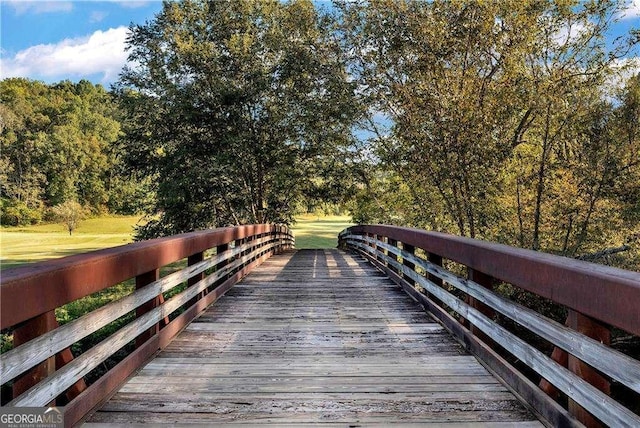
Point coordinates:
pixel 20 245
pixel 312 231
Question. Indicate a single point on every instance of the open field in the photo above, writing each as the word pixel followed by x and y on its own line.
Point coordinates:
pixel 312 231
pixel 20 245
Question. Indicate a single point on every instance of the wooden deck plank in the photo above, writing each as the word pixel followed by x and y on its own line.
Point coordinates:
pixel 314 337
pixel 284 424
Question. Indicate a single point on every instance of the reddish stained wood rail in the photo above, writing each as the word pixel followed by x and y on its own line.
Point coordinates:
pixel 596 296
pixel 37 288
pixel 569 282
pixel 31 293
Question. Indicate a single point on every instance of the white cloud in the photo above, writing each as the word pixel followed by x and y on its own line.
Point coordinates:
pixel 132 4
pixel 97 16
pixel 569 33
pixel 631 10
pixel 21 7
pixel 623 69
pixel 628 66
pixel 100 53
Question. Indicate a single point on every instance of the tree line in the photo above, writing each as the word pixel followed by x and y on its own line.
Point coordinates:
pixel 505 120
pixel 509 121
pixel 60 143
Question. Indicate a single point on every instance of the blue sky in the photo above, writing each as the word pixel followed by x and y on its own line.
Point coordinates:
pixel 57 40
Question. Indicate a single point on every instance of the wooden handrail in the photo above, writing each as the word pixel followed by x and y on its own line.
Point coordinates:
pixel 543 274
pixel 30 294
pixel 568 282
pixel 34 289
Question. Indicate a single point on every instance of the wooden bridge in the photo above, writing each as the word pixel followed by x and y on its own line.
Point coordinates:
pixel 398 326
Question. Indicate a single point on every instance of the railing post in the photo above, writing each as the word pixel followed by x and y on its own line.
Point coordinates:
pixel 411 250
pixel 250 240
pixel 486 281
pixel 237 243
pixel 595 330
pixel 372 245
pixel 192 260
pixel 282 239
pixel 366 243
pixel 278 240
pixel 63 358
pixel 141 281
pixel 380 257
pixel 391 255
pixel 35 327
pixel 219 250
pixel 436 260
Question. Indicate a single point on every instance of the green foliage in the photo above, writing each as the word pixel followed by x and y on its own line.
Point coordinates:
pixel 500 122
pixel 76 309
pixel 6 342
pixel 130 194
pixel 17 213
pixel 58 143
pixel 494 120
pixel 233 107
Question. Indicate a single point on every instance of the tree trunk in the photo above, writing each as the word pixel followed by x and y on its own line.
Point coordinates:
pixel 540 185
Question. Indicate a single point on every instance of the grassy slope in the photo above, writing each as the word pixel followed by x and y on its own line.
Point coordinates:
pixel 19 245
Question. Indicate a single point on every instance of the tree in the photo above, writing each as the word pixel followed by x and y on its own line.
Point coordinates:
pixel 229 107
pixel 23 144
pixel 70 213
pixel 498 123
pixel 57 142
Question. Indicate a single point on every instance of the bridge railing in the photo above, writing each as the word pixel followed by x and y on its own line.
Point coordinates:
pixel 596 298
pixel 41 366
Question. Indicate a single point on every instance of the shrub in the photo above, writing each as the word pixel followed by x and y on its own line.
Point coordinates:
pixel 17 213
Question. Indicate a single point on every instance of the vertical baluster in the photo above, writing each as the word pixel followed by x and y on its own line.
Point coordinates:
pixel 219 250
pixel 251 246
pixel 192 260
pixel 436 260
pixel 238 243
pixel 487 282
pixel 141 281
pixel 380 251
pixel 279 242
pixel 35 327
pixel 411 250
pixel 594 329
pixel 63 358
pixel 391 255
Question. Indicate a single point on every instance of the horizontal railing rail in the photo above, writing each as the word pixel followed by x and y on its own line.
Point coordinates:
pixel 596 297
pixel 41 367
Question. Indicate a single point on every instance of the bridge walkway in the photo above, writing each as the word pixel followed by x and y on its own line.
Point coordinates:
pixel 314 337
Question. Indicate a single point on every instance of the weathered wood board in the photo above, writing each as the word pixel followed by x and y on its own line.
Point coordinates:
pixel 314 337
